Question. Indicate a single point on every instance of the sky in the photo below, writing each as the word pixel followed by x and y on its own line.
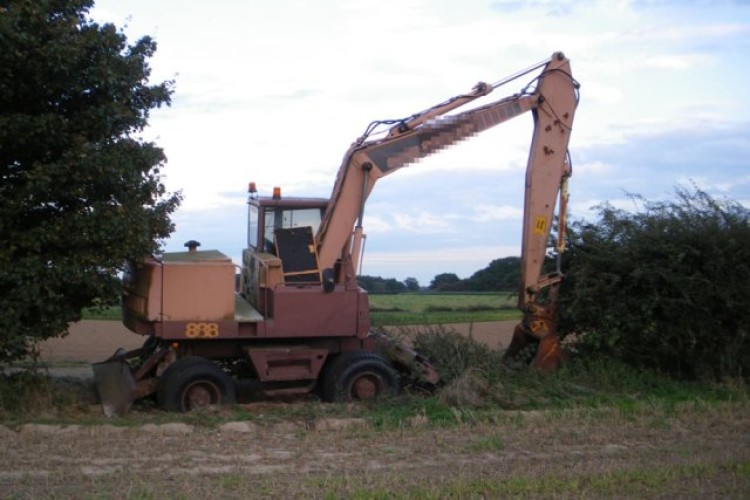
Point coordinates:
pixel 275 92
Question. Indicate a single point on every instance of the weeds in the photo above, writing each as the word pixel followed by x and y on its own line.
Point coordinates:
pixel 107 313
pixel 28 391
pixel 478 386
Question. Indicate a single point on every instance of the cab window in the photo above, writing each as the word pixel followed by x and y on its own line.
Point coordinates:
pixel 252 226
pixel 286 218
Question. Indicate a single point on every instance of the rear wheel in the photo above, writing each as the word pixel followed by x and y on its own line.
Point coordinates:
pixel 359 376
pixel 194 382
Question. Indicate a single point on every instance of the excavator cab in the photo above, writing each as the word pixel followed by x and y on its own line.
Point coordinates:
pixel 267 216
pixel 280 243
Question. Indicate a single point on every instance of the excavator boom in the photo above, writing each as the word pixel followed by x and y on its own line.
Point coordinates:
pixel 552 97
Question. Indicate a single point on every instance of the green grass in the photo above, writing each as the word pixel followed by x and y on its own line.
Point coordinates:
pixel 479 395
pixel 671 481
pixel 109 313
pixel 441 308
pixel 637 482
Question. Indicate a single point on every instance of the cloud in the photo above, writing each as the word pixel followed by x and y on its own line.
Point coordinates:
pixel 486 213
pixel 275 92
pixel 445 255
pixel 588 209
pixel 713 186
pixel 595 167
pixel 674 62
pixel 423 223
pixel 553 8
pixel 654 161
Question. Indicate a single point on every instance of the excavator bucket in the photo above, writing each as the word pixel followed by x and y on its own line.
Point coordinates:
pixel 549 354
pixel 115 384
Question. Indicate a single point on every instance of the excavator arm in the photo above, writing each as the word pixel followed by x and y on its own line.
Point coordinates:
pixel 552 97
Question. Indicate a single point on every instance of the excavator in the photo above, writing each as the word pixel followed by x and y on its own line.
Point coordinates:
pixel 294 320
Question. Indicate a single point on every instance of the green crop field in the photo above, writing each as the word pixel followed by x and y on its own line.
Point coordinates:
pixel 411 308
pixel 432 308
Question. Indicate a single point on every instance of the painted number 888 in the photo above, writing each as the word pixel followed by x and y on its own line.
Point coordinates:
pixel 201 330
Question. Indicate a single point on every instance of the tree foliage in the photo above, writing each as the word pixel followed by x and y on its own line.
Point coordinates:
pixel 80 191
pixel 664 288
pixel 376 284
pixel 412 284
pixel 499 276
pixel 447 282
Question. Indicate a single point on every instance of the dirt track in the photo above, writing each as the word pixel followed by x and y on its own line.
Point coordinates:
pixel 91 341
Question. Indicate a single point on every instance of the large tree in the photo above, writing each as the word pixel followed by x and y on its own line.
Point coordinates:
pixel 499 276
pixel 80 190
pixel 447 282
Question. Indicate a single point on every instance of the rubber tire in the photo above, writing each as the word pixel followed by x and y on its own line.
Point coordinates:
pixel 346 368
pixel 191 372
pixel 172 371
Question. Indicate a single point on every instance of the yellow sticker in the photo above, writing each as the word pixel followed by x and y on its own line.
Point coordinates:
pixel 540 226
pixel 201 330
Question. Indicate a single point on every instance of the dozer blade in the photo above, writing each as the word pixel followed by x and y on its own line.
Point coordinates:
pixel 115 384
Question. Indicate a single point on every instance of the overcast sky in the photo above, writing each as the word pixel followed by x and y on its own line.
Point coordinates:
pixel 275 91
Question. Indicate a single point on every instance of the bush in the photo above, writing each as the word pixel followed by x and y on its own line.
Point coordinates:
pixel 475 376
pixel 664 288
pixel 452 354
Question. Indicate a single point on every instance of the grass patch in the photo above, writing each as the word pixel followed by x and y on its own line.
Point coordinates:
pixel 636 482
pixel 400 318
pixel 108 313
pixel 722 480
pixel 476 376
pixel 441 308
pixel 493 442
pixel 375 309
pixel 29 392
pixel 479 386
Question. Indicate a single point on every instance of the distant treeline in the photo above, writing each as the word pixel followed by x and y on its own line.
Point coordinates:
pixel 499 276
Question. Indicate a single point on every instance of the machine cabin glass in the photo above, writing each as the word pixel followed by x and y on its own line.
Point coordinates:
pixel 266 215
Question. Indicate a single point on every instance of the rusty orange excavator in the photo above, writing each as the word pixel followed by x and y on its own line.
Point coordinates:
pixel 295 320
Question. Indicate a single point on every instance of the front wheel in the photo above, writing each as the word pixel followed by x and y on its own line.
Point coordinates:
pixel 359 376
pixel 194 382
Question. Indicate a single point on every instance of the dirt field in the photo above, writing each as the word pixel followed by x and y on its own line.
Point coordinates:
pixel 693 450
pixel 694 453
pixel 91 341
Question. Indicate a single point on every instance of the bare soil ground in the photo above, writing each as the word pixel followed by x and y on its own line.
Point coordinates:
pixel 89 341
pixel 693 450
pixel 96 340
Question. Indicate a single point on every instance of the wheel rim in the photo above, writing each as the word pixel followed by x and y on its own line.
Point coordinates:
pixel 366 386
pixel 200 393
